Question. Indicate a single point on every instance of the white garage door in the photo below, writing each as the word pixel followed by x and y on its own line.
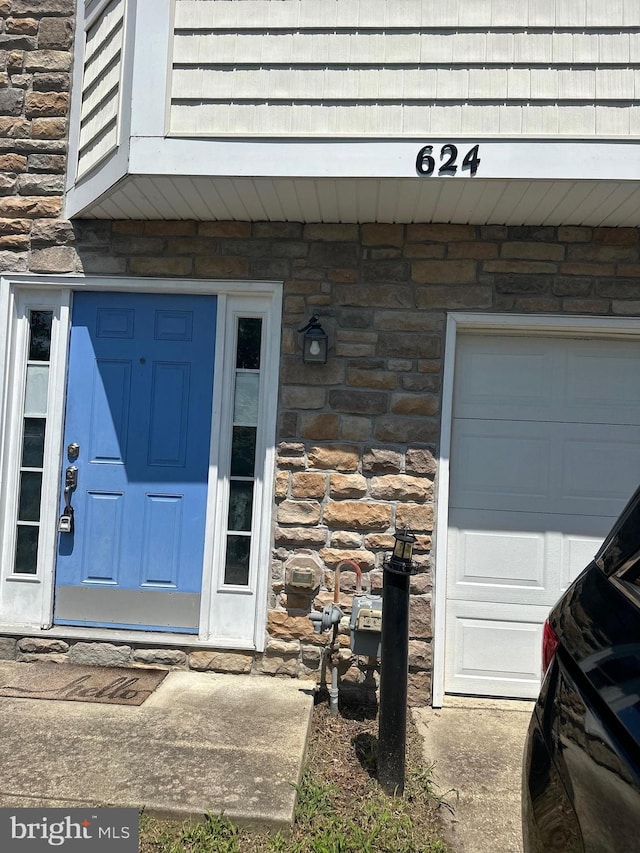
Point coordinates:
pixel 545 452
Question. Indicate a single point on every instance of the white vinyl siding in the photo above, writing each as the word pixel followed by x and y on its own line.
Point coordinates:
pixel 101 85
pixel 410 68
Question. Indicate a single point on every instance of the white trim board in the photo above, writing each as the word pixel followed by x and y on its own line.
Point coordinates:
pixel 493 324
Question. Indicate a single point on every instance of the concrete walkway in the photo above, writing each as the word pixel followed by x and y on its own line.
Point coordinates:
pixel 476 746
pixel 201 742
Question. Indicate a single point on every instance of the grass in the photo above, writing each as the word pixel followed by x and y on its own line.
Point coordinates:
pixel 340 806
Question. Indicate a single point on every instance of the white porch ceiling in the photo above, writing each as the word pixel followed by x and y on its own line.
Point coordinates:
pixel 607 203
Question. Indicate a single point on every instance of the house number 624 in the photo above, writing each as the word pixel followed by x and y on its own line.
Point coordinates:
pixel 426 163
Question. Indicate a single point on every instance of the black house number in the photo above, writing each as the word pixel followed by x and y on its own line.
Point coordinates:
pixel 426 162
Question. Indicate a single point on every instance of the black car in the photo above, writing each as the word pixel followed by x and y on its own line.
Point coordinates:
pixel 581 773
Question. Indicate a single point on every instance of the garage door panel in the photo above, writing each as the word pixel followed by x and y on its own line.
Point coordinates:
pixel 544 467
pixel 497 467
pixel 600 468
pixel 547 379
pixel 490 378
pixel 495 650
pixel 603 382
pixel 517 557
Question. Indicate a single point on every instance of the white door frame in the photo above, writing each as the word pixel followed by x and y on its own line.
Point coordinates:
pixel 28 600
pixel 493 324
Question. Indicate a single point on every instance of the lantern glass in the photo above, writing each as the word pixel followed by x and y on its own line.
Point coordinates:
pixel 315 346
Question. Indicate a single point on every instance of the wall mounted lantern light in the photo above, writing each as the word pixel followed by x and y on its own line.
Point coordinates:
pixel 315 342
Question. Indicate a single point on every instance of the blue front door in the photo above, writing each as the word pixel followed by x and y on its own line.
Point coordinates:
pixel 139 397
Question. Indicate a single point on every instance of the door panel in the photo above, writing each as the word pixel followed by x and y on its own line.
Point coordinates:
pixel 139 397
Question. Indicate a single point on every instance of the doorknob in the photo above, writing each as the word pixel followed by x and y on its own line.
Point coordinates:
pixel 65 523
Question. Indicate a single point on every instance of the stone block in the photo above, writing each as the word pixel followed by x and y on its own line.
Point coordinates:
pixel 332 556
pixel 55 33
pixel 15 128
pixel 334 457
pixel 409 345
pixel 419 654
pixel 160 657
pixel 338 232
pixel 233 662
pixel 416 517
pixel 51 81
pixel 19 26
pixel 421 382
pixel 382 234
pixel 100 654
pixel 415 404
pixel 47 60
pixel 420 460
pixel 8 184
pixel 12 261
pixel 402 430
pixel 293 371
pixel 8 647
pixel 390 271
pixel 418 689
pixel 422 583
pixel 533 251
pixel 43 7
pixel 449 298
pixel 420 616
pixel 30 657
pixel 320 427
pixel 354 428
pixel 440 233
pixel 38 645
pixel 161 266
pixel 378 379
pixel 308 484
pixel 298 512
pixel 15 241
pixel 345 539
pixel 574 234
pixel 54 259
pixel 357 515
pixel 57 231
pixel 359 402
pixel 281 625
pixel 475 251
pixel 401 487
pixel 328 254
pixel 300 537
pixel 520 267
pixel 13 163
pixel 38 104
pixel 379 460
pixel 50 163
pixel 41 184
pixel 49 128
pixel 219 266
pixel 347 486
pixel 281 487
pixel 373 296
pixel 11 102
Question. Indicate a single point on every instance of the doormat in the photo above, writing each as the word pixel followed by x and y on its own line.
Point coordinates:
pixel 113 685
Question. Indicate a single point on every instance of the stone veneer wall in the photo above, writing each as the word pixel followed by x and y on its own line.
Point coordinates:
pixel 357 438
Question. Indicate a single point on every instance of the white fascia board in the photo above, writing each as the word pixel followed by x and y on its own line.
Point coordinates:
pixel 151 66
pixel 540 159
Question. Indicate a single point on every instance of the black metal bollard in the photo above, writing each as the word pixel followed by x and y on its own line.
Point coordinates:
pixel 394 653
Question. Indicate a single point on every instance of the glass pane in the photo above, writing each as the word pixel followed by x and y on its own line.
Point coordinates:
pixel 35 403
pixel 249 334
pixel 40 339
pixel 237 564
pixel 26 550
pixel 29 505
pixel 33 443
pixel 243 451
pixel 245 408
pixel 240 504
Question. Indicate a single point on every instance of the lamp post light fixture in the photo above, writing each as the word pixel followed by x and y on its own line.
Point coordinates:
pixel 315 343
pixel 394 656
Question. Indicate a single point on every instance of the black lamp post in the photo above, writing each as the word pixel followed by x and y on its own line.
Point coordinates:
pixel 394 655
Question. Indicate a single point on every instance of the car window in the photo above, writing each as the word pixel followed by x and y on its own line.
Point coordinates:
pixel 623 542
